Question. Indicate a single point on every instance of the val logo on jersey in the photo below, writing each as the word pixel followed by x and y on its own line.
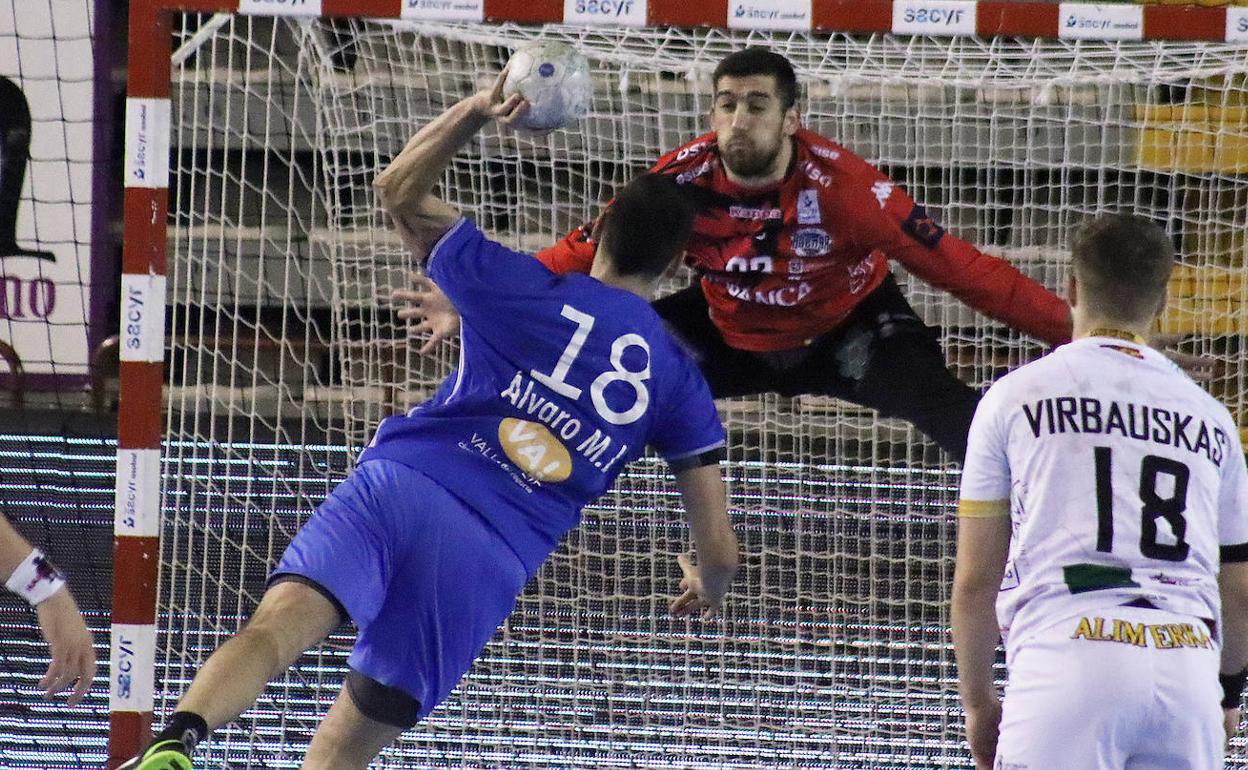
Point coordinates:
pixel 534 449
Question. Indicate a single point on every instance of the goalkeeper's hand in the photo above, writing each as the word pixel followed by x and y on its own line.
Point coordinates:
pixel 429 312
pixel 1201 368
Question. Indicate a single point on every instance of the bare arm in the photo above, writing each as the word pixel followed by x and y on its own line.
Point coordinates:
pixel 405 187
pixel 983 547
pixel 69 641
pixel 13 548
pixel 706 504
pixel 1233 584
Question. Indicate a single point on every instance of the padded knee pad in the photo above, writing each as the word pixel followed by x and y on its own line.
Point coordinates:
pixel 382 703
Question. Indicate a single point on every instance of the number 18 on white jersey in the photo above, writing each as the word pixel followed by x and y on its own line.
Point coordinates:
pixel 1125 481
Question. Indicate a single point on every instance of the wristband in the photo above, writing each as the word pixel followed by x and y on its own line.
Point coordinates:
pixel 1232 688
pixel 35 579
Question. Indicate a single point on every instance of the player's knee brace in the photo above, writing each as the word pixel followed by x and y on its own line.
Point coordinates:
pixel 382 703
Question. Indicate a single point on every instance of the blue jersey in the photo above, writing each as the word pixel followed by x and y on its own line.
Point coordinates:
pixel 562 381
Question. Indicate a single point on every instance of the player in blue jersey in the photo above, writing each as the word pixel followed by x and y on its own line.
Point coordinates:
pixel 453 507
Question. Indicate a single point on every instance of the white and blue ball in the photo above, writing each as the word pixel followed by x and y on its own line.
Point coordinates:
pixel 554 79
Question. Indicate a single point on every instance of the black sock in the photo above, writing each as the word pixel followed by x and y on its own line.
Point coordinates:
pixel 185 726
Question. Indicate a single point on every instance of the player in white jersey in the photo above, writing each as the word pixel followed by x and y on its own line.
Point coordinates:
pixel 1105 511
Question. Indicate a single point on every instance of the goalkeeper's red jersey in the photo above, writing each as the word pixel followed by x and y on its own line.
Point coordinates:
pixel 784 264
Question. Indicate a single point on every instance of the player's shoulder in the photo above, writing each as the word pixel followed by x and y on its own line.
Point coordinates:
pixel 833 157
pixel 617 310
pixel 846 179
pixel 1020 384
pixel 689 155
pixel 1202 400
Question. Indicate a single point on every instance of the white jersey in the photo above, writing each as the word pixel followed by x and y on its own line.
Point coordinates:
pixel 1125 481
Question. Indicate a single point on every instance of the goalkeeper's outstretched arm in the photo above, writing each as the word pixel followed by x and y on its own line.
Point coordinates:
pixel 405 187
pixel 29 574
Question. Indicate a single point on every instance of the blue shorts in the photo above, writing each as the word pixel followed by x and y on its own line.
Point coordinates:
pixel 425 579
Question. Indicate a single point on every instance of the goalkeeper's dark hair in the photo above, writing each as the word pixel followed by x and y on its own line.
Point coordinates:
pixel 647 225
pixel 1123 263
pixel 759 61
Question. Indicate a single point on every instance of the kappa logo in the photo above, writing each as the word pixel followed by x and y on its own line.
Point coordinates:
pixel 882 190
pixel 811 242
pixel 808 208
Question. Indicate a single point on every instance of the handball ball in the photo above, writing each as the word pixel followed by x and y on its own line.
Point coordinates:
pixel 554 79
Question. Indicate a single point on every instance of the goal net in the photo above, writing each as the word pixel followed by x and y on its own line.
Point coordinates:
pixel 834 648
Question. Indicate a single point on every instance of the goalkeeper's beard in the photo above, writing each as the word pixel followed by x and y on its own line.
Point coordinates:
pixel 748 161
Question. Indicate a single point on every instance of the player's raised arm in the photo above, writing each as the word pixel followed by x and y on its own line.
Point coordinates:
pixel 987 283
pixel 29 574
pixel 706 578
pixel 405 187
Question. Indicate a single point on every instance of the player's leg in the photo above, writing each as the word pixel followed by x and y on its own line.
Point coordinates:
pixel 729 372
pixel 452 582
pixel 455 581
pixel 884 357
pixel 336 566
pixel 291 617
pixel 348 738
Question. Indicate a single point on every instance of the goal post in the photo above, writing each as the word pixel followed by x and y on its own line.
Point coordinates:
pixel 258 353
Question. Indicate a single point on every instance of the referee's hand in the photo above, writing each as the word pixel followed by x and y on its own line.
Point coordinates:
pixel 1230 722
pixel 70 644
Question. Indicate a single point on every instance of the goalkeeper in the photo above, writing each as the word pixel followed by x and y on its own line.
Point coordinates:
pixel 454 506
pixel 792 243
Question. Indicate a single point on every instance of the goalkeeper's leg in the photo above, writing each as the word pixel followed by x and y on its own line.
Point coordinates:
pixel 291 617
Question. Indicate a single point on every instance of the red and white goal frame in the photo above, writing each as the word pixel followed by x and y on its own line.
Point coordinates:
pixel 146 209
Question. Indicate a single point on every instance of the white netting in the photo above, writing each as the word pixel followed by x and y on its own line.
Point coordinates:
pixel 834 650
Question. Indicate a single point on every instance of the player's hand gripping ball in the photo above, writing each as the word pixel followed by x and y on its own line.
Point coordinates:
pixel 554 79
